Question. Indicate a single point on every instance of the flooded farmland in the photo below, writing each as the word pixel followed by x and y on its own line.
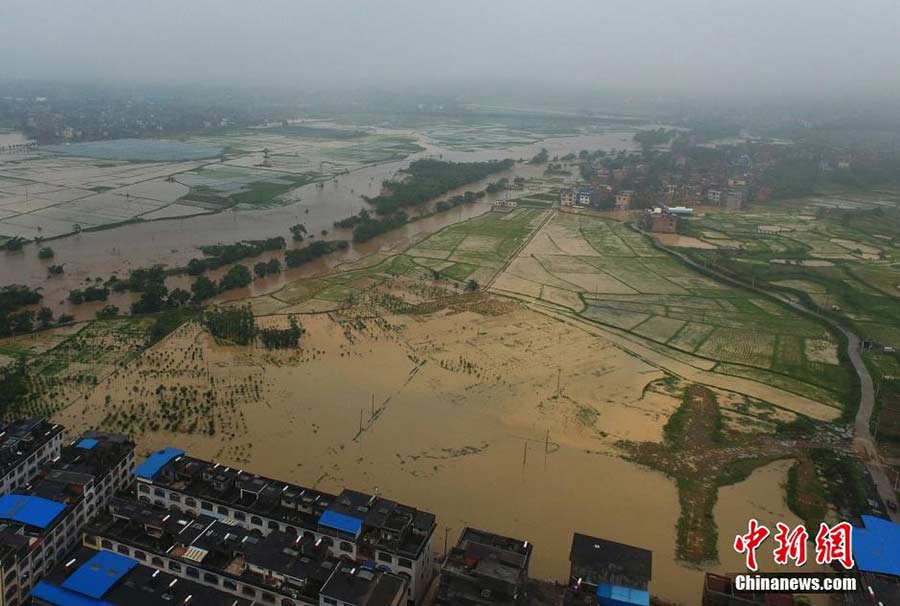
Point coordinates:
pixel 488 414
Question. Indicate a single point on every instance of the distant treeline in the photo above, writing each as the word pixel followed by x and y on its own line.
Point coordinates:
pixel 319 248
pixel 426 179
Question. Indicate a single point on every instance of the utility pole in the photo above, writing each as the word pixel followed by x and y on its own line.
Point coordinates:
pixel 525 455
pixel 373 406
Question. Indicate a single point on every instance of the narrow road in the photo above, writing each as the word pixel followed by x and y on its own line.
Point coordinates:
pixel 862 435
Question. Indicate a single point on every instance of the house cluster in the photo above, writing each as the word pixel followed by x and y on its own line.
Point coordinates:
pixel 82 525
pixel 727 177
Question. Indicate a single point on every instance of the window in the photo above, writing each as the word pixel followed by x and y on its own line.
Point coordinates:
pixel 175 497
pixel 268 597
pixel 210 578
pixel 175 566
pixel 223 510
pixel 256 520
pixel 106 544
pixel 189 502
pixel 229 585
pixel 140 555
pixel 206 505
pixel 240 516
pixel 157 561
pixel 345 546
pixel 143 488
pixel 193 573
pixel 404 563
pixel 159 492
pixel 273 525
pixel 248 591
pixel 384 557
pixel 89 540
pixel 123 550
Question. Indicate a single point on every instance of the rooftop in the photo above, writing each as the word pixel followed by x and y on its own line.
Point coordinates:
pixel 21 438
pixel 293 565
pixel 353 584
pixel 92 578
pixel 609 561
pixel 356 516
pixel 28 513
pixel 876 546
pixel 485 568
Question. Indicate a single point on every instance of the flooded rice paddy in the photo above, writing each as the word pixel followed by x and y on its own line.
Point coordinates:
pixel 501 418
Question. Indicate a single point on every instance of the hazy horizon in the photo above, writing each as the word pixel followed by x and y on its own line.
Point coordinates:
pixel 697 47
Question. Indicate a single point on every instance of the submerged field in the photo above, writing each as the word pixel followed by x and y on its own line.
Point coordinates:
pixel 68 188
pixel 554 353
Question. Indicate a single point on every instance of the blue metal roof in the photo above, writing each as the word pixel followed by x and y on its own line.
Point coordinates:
pixel 86 443
pixel 95 577
pixel 876 548
pixel 151 466
pixel 341 521
pixel 616 595
pixel 63 597
pixel 31 510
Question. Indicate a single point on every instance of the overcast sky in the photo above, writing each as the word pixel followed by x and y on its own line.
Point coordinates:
pixel 768 46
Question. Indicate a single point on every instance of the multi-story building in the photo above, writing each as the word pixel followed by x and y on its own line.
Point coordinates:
pixel 25 446
pixel 735 198
pixel 584 196
pixel 567 197
pixel 714 196
pixel 352 585
pixel 616 573
pixel 354 525
pixel 623 199
pixel 92 578
pixel 277 567
pixel 41 524
pixel 485 569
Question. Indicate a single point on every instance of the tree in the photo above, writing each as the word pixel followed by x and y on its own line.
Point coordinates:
pixel 152 300
pixel 273 266
pixel 237 276
pixel 14 244
pixel 54 270
pixel 261 269
pixel 46 253
pixel 64 319
pixel 472 286
pixel 108 311
pixel 195 267
pixel 22 321
pixel 179 297
pixel 203 288
pixel 45 316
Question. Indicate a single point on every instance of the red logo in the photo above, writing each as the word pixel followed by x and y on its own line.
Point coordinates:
pixel 832 544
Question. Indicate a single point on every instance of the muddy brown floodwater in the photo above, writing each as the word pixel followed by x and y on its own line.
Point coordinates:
pixel 173 242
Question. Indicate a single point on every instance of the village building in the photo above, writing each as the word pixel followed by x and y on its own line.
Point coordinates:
pixel 25 446
pixel 485 569
pixel 714 196
pixel 584 196
pixel 42 523
pixel 352 524
pixel 277 567
pixel 616 573
pixel 94 578
pixel 623 199
pixel 735 198
pixel 661 222
pixel 567 197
